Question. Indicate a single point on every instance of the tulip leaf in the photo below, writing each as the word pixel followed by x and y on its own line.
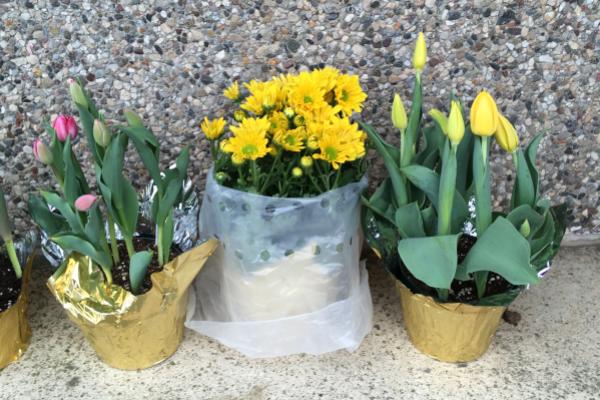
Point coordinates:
pixel 65 210
pixel 531 156
pixel 481 178
pixel 411 136
pixel 146 146
pixel 525 212
pixel 429 217
pixel 138 267
pixel 490 254
pixel 167 239
pixel 390 163
pixel 87 120
pixel 70 243
pixel 50 222
pixel 429 182
pixel 543 236
pixel 464 162
pixel 523 189
pixel 409 221
pixel 431 260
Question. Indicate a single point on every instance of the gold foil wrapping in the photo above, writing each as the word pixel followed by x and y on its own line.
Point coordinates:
pixel 14 327
pixel 126 331
pixel 451 332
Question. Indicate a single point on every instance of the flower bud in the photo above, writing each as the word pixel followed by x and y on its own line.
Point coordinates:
pixel 420 53
pixel 297 172
pixel 232 92
pixel 484 115
pixel 289 112
pixel 41 152
pixel 299 120
pixel 221 177
pixel 525 228
pixel 506 135
pixel 306 162
pixel 399 114
pixel 77 94
pixel 441 119
pixel 102 134
pixel 64 126
pixel 239 115
pixel 132 118
pixel 85 202
pixel 456 124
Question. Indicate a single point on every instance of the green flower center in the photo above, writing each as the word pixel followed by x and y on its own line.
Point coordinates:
pixel 290 139
pixel 331 153
pixel 345 95
pixel 249 150
pixel 308 99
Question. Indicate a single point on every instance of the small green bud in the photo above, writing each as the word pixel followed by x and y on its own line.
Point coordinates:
pixel 132 118
pixel 77 94
pixel 221 177
pixel 102 134
pixel 525 228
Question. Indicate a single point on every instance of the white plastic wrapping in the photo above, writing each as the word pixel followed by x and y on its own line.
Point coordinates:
pixel 286 278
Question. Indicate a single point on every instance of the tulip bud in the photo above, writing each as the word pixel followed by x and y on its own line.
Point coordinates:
pixel 85 202
pixel 440 118
pixel 132 118
pixel 5 231
pixel 506 135
pixel 306 162
pixel 77 94
pixel 65 125
pixel 41 152
pixel 484 115
pixel 420 53
pixel 297 172
pixel 456 124
pixel 399 114
pixel 102 134
pixel 525 228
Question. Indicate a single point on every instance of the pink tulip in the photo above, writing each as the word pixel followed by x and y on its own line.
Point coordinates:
pixel 41 152
pixel 65 126
pixel 85 202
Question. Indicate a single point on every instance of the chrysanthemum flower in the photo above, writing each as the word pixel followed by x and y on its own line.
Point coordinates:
pixel 279 122
pixel 327 77
pixel 212 129
pixel 348 94
pixel 232 92
pixel 305 94
pixel 249 140
pixel 291 140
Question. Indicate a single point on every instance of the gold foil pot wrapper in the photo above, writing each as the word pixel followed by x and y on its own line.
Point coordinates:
pixel 127 331
pixel 14 327
pixel 450 332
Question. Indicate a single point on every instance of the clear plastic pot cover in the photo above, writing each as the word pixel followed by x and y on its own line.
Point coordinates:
pixel 286 278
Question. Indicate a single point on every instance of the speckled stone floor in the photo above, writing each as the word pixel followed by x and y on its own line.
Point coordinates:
pixel 553 353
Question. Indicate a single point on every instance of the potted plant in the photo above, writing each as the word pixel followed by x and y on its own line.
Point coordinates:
pixel 283 198
pixel 122 282
pixel 15 264
pixel 432 222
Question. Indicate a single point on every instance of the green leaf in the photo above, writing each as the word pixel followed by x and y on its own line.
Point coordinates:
pixel 411 136
pixel 531 156
pixel 481 178
pixel 138 266
pixel 50 222
pixel 429 217
pixel 87 121
pixel 431 259
pixel 146 145
pixel 503 250
pixel 390 163
pixel 409 221
pixel 523 190
pixel 167 239
pixel 464 162
pixel 525 212
pixel 65 210
pixel 70 243
pixel 429 182
pixel 543 236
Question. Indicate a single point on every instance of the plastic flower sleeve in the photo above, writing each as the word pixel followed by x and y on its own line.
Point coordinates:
pixel 286 278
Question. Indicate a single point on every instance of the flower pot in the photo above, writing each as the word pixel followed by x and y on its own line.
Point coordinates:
pixel 286 278
pixel 14 327
pixel 129 332
pixel 450 332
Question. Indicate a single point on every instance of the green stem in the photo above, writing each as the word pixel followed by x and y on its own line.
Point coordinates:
pixel 268 179
pixel 447 187
pixel 159 245
pixel 129 245
pixel 337 178
pixel 113 240
pixel 484 149
pixel 442 294
pixel 255 175
pixel 483 200
pixel 12 255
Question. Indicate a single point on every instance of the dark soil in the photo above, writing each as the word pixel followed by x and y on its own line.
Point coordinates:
pixel 121 271
pixel 10 286
pixel 462 291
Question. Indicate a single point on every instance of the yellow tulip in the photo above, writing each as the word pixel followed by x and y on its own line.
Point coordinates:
pixel 420 53
pixel 484 115
pixel 399 114
pixel 506 135
pixel 456 124
pixel 440 118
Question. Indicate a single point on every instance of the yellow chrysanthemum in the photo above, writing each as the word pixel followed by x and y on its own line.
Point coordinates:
pixel 264 96
pixel 348 94
pixel 232 92
pixel 305 94
pixel 340 142
pixel 326 77
pixel 212 129
pixel 292 140
pixel 249 141
pixel 279 122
